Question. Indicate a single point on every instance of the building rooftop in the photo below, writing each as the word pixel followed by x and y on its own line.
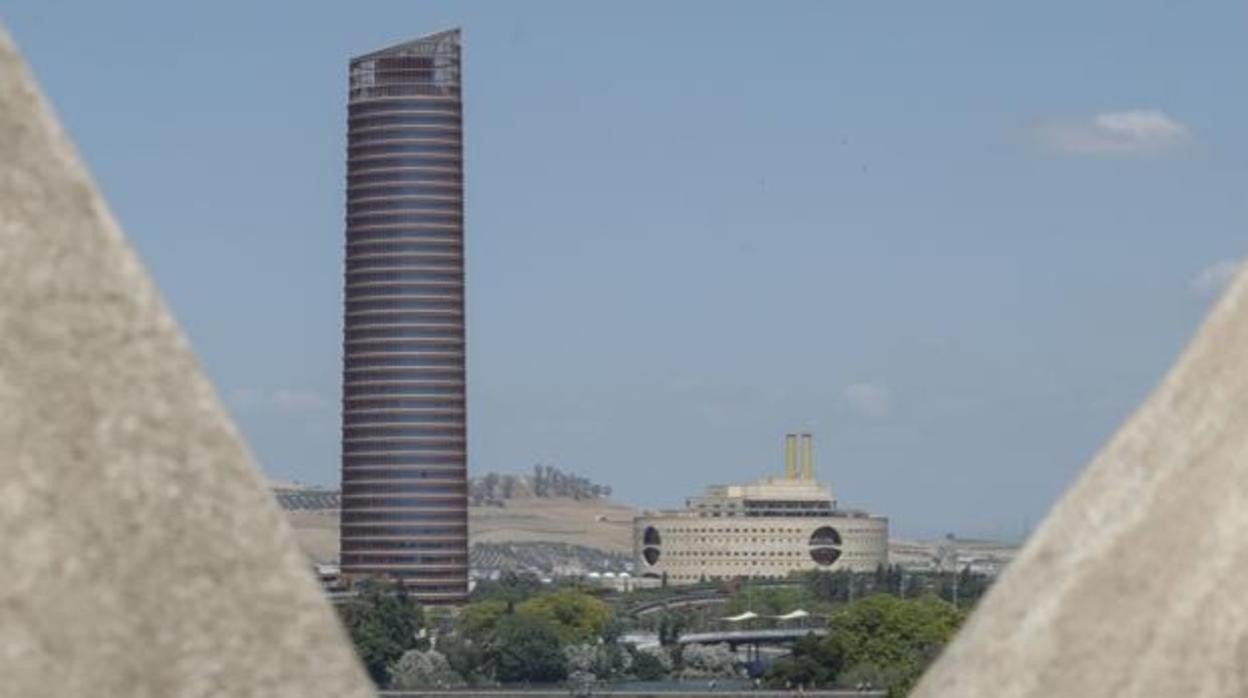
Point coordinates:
pixel 795 493
pixel 773 488
pixel 421 46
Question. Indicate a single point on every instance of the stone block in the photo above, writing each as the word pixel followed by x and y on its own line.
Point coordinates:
pixel 1131 586
pixel 142 553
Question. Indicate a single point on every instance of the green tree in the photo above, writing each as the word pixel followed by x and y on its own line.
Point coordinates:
pixel 648 667
pixel 477 620
pixel 815 662
pixel 588 662
pixel 671 625
pixel 882 639
pixel 707 661
pixel 768 601
pixel 971 587
pixel 527 648
pixel 577 616
pixel 466 657
pixel 510 586
pixel 417 670
pixel 880 582
pixel 899 636
pixel 832 587
pixel 383 622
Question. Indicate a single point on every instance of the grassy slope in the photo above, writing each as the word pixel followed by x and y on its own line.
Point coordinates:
pixel 597 523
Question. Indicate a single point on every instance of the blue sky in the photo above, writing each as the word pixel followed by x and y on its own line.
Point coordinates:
pixel 957 241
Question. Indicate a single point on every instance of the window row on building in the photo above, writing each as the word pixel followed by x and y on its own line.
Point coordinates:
pixel 413 405
pixel 419 215
pixel 377 190
pixel 404 544
pixel 389 133
pixel 381 106
pixel 430 233
pixel 444 530
pixel 350 489
pixel 405 385
pixel 406 319
pixel 716 529
pixel 370 516
pixel 439 573
pixel 432 500
pixel 400 471
pixel 451 422
pixel 380 324
pixel 425 121
pixel 366 162
pixel 406 346
pixel 357 443
pixel 442 306
pixel 389 331
pixel 423 204
pixel 436 257
pixel 438 174
pixel 805 513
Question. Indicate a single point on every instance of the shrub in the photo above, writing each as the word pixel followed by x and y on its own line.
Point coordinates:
pixel 417 670
pixel 577 615
pixel 527 647
pixel 707 662
pixel 651 664
pixel 382 622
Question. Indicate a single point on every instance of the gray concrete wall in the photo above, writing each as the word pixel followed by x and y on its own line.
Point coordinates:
pixel 143 555
pixel 1134 584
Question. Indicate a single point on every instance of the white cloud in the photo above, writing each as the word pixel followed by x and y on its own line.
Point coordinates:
pixel 868 400
pixel 281 400
pixel 1133 132
pixel 1213 279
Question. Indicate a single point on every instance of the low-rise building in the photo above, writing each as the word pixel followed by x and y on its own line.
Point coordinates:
pixel 765 529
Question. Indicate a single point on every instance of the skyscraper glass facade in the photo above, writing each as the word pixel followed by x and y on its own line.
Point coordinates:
pixel 404 429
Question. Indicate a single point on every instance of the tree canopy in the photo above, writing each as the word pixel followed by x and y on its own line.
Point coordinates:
pixel 383 622
pixel 880 636
pixel 577 616
pixel 527 648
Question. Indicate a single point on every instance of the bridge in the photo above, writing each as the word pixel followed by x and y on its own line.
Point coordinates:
pixel 761 636
pixel 702 597
pixel 696 689
pixel 692 688
pixel 710 599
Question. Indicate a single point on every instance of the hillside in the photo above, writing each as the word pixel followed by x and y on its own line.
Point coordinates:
pixel 546 507
pixel 593 523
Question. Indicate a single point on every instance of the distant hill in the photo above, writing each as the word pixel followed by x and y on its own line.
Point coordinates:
pixel 546 482
pixel 593 523
pixel 546 558
pixel 552 517
pixel 295 497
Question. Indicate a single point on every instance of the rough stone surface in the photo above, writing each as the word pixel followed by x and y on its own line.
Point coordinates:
pixel 142 554
pixel 1135 584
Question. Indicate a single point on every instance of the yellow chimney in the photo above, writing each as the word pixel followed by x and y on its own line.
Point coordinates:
pixel 808 458
pixel 790 456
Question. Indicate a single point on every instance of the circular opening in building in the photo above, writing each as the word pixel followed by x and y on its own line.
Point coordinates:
pixel 651 555
pixel 824 556
pixel 825 535
pixel 651 536
pixel 825 545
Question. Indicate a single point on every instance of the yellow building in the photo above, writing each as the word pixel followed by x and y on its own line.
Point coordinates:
pixel 764 529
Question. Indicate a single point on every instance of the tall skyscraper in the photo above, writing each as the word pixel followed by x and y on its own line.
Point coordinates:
pixel 404 429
